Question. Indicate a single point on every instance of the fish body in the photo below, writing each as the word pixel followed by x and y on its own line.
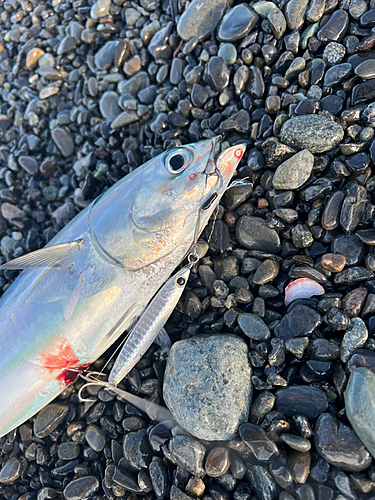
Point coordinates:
pixel 58 318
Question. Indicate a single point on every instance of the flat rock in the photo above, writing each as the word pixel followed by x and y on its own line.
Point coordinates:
pixel 313 132
pixel 301 400
pixel 11 471
pixel 366 69
pixel 253 326
pixel 294 172
pixel 335 28
pixel 254 234
pixel 63 141
pixel 295 11
pixel 360 405
pixel 300 321
pixel 207 385
pixel 82 488
pixel 200 19
pixel 104 58
pixel 108 106
pixel 339 445
pixel 188 453
pixel 354 338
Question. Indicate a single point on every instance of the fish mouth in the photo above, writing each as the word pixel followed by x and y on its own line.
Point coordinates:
pixel 222 166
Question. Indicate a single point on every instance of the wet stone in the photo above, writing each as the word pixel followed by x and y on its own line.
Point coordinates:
pixel 300 321
pixel 337 74
pixel 67 44
pixel 277 22
pixel 253 326
pixel 301 236
pixel 63 141
pixel 360 405
pixel 335 28
pixel 217 462
pixel 29 164
pixel 312 132
pixel 363 92
pixel 137 450
pixel 218 72
pixel 354 338
pixel 188 453
pixel 189 373
pixel 352 276
pixel 200 19
pixel 331 214
pixel 295 13
pixel 367 236
pixel 366 69
pixel 259 443
pixel 100 9
pixel 352 302
pixel 261 481
pixel 334 53
pixel 297 346
pixel 299 465
pixel 124 118
pixel 338 444
pixel 159 476
pixel 294 172
pixel 324 349
pixel 297 443
pixel 301 400
pixel 33 57
pixel 237 23
pixel 10 471
pixel 254 234
pixel 49 418
pixel 333 262
pixel 95 438
pixel 82 488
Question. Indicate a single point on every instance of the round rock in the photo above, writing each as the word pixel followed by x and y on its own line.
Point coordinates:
pixel 313 132
pixel 82 488
pixel 254 234
pixel 108 106
pixel 301 400
pixel 294 172
pixel 207 385
pixel 10 471
pixel 63 141
pixel 237 23
pixel 48 419
pixel 200 18
pixel 253 326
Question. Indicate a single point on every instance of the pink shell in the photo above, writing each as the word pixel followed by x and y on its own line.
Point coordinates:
pixel 302 288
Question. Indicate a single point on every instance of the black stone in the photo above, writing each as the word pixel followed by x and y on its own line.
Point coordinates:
pixel 300 321
pixel 301 400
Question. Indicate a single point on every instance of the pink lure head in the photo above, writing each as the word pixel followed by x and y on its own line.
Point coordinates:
pixel 302 288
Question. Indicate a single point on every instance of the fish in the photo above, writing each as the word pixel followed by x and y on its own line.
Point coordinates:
pixel 93 280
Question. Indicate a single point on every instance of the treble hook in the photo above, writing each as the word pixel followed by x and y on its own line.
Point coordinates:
pixel 92 378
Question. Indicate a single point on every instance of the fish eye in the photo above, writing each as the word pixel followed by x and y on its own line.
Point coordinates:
pixel 180 281
pixel 177 161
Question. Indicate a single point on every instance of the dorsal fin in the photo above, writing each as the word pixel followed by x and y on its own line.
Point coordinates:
pixel 45 257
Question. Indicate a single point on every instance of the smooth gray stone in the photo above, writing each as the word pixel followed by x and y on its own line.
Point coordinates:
pixel 105 56
pixel 360 406
pixel 366 70
pixel 207 385
pixel 237 23
pixel 252 233
pixel 354 338
pixel 294 172
pixel 200 18
pixel 313 132
pixel 108 106
pixel 253 326
pixel 295 11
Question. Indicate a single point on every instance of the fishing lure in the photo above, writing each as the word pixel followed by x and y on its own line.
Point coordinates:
pixel 76 296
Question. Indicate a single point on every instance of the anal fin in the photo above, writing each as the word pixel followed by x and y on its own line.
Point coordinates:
pixel 46 257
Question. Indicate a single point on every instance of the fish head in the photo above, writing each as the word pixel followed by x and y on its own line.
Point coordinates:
pixel 185 185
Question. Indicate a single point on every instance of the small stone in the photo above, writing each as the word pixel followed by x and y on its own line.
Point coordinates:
pixel 294 172
pixel 217 462
pixel 266 272
pixel 63 141
pixel 218 72
pixel 200 19
pixel 237 23
pixel 188 453
pixel 367 236
pixel 360 405
pixel 352 302
pixel 261 406
pixel 125 118
pixel 104 58
pixel 49 418
pixel 207 385
pixel 108 106
pixel 334 53
pixel 11 471
pixel 253 326
pixel 333 262
pixel 297 443
pixel 95 438
pixel 100 9
pixel 313 132
pixel 301 400
pixel 350 247
pixel 29 164
pixel 82 488
pixel 297 346
pixel 33 57
pixel 259 443
pixel 338 444
pixel 261 482
pixel 366 69
pixel 137 450
pixel 300 321
pixel 363 92
pixel 254 234
pixel 67 44
pixel 337 74
pixel 299 465
pixel 295 13
pixel 335 28
pixel 331 214
pixel 277 22
pixel 354 338
pixel 352 276
pixel 68 451
pixel 301 236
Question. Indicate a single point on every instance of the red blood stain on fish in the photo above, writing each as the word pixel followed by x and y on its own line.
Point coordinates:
pixel 60 357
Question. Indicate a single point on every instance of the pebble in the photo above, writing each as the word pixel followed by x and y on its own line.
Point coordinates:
pixel 354 338
pixel 352 302
pixel 261 481
pixel 10 471
pixel 266 272
pixel 299 321
pixel 193 389
pixel 339 445
pixel 353 207
pixel 297 443
pixel 95 438
pixel 219 73
pixel 137 450
pixel 367 236
pixel 360 405
pixel 200 19
pixel 63 141
pixel 124 118
pixel 48 419
pixel 350 247
pixel 188 453
pixel 312 132
pixel 33 57
pixel 108 106
pixel 301 400
pixel 294 172
pixel 366 69
pixel 253 326
pixel 333 262
pixel 68 451
pixel 100 9
pixel 217 462
pixel 105 56
pixel 258 442
pixel 254 234
pixel 299 466
pixel 335 28
pixel 237 23
pixel 81 488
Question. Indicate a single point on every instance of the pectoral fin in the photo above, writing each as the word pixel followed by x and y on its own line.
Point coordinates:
pixel 45 257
